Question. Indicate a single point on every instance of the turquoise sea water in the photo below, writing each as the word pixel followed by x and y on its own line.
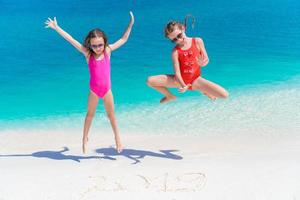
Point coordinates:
pixel 254 50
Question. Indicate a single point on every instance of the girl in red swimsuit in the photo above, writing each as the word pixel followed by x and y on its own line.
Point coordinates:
pixel 188 56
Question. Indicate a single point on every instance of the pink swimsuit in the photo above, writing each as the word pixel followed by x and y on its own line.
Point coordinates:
pixel 99 75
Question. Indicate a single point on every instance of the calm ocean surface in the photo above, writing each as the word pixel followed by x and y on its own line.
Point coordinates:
pixel 254 50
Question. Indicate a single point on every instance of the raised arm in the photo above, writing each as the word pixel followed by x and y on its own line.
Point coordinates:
pixel 53 24
pixel 125 36
pixel 204 57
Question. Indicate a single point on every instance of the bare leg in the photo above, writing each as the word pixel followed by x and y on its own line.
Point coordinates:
pixel 210 89
pixel 92 104
pixel 210 96
pixel 109 106
pixel 161 83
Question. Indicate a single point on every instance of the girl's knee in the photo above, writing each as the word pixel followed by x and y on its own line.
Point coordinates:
pixel 224 95
pixel 150 81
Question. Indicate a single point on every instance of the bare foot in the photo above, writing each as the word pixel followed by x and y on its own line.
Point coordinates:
pixel 167 99
pixel 210 96
pixel 119 146
pixel 84 144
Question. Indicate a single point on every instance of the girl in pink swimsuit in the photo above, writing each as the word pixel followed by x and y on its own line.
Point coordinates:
pixel 97 52
pixel 188 56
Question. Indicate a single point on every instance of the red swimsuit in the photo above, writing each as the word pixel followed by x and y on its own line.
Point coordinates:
pixel 189 63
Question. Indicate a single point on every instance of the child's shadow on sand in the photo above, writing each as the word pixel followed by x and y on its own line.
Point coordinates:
pixel 54 155
pixel 136 155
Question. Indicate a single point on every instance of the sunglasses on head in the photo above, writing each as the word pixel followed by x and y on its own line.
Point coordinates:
pixel 95 46
pixel 179 36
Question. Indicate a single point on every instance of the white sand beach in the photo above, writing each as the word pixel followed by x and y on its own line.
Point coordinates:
pixel 50 165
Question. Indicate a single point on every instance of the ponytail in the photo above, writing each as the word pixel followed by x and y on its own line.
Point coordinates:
pixel 175 24
pixel 186 19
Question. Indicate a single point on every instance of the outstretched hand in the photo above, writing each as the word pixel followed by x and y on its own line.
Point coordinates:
pixel 203 62
pixel 51 23
pixel 183 89
pixel 131 18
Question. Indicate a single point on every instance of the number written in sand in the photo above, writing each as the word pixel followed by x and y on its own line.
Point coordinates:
pixel 165 182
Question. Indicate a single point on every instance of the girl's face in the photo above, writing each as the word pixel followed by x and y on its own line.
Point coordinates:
pixel 97 45
pixel 177 36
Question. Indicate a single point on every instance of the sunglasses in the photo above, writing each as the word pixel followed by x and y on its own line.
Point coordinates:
pixel 95 46
pixel 179 36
